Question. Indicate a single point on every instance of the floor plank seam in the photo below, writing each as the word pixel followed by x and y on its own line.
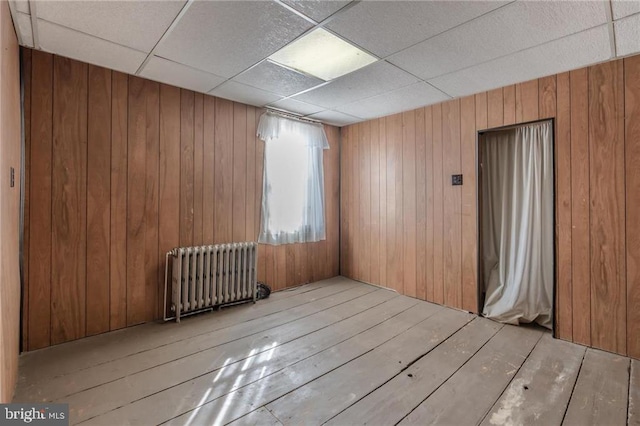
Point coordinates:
pixel 409 364
pixel 449 377
pixel 512 378
pixel 628 390
pixel 270 412
pixel 303 359
pixel 243 359
pixel 218 329
pixel 573 388
pixel 212 347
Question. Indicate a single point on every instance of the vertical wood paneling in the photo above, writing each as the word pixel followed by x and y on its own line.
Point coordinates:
pixel 251 233
pixel 429 188
pixel 169 190
pixel 280 266
pixel 547 97
pixel 118 227
pixel 452 242
pixel 289 265
pixel 239 163
pixel 438 206
pixel 509 96
pixel 223 216
pixel 409 202
pixel 421 205
pixel 527 101
pixel 495 108
pixel 564 305
pixel 136 197
pixel 10 194
pixel 355 198
pixel 375 201
pixel 632 157
pixel 198 169
pixel 40 193
pixel 187 111
pixel 345 202
pixel 607 202
pixel 332 197
pixel 364 135
pixel 151 207
pixel 469 211
pixel 394 202
pixel 481 111
pixel 26 64
pixel 384 206
pixel 69 200
pixel 98 199
pixel 580 253
pixel 137 169
pixel 268 265
pixel 118 222
pixel 208 180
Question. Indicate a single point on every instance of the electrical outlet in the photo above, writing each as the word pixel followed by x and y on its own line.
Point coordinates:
pixel 456 180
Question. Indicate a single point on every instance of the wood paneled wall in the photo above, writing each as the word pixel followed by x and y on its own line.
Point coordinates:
pixel 404 225
pixel 10 147
pixel 120 170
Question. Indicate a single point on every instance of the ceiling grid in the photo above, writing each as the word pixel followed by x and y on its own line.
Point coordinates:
pixel 425 51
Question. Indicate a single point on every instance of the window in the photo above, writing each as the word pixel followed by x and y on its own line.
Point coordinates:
pixel 293 183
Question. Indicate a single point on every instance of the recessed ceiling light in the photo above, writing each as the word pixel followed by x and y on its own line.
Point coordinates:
pixel 323 55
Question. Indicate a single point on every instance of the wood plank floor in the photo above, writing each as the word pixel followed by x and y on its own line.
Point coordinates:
pixel 334 352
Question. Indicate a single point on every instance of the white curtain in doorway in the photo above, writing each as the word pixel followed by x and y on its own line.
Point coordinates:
pixel 517 224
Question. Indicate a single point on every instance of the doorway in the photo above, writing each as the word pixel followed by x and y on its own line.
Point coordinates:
pixel 516 224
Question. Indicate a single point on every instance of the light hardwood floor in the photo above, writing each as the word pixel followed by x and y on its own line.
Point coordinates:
pixel 338 352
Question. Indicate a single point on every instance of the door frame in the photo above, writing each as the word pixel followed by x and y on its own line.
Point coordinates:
pixel 480 281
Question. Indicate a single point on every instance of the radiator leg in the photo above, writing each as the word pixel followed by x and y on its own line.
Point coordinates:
pixel 166 274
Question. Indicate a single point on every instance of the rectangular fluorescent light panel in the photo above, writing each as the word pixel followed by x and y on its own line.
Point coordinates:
pixel 323 55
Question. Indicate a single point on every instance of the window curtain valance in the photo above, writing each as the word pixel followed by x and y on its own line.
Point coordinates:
pixel 272 125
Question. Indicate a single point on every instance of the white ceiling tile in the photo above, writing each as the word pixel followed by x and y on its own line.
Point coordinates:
pixel 622 8
pixel 335 118
pixel 246 94
pixel 164 71
pixel 23 27
pixel 21 6
pixel 568 53
pixel 318 10
pixel 403 99
pixel 76 45
pixel 628 35
pixel 377 78
pixel 297 107
pixel 228 37
pixel 515 27
pixel 385 27
pixel 136 24
pixel 277 79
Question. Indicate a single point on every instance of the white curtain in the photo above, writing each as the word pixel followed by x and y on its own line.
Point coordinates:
pixel 517 224
pixel 293 182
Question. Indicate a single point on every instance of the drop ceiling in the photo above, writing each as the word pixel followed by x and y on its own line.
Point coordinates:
pixel 426 51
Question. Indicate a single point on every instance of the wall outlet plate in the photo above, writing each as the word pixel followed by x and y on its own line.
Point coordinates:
pixel 456 180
